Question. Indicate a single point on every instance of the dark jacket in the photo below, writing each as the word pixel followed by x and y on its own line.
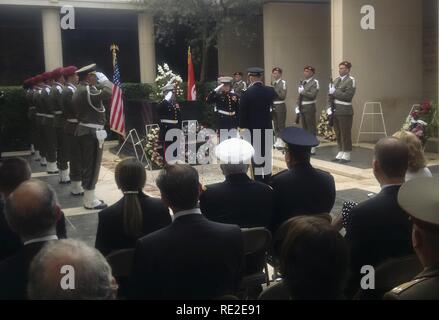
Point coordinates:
pixel 193 258
pixel 238 200
pixel 110 235
pixel 14 272
pixel 301 190
pixel 378 229
pixel 255 107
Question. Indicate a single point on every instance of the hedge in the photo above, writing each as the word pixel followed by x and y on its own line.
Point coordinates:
pixel 14 124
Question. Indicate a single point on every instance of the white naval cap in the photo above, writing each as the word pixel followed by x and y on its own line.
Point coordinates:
pixel 225 80
pixel 168 87
pixel 234 151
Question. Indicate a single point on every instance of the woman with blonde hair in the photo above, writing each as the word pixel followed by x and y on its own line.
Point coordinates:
pixel 133 216
pixel 417 162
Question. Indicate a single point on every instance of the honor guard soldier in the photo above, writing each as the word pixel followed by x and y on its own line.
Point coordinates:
pixel 73 151
pixel 279 110
pixel 226 104
pixel 39 138
pixel 58 124
pixel 342 92
pixel 49 128
pixel 306 106
pixel 419 198
pixel 300 189
pixel 255 115
pixel 90 110
pixel 239 85
pixel 28 87
pixel 169 114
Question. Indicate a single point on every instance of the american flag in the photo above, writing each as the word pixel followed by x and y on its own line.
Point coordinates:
pixel 117 115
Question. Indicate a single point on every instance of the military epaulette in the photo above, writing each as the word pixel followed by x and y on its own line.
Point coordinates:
pixel 353 81
pixel 403 287
pixel 318 84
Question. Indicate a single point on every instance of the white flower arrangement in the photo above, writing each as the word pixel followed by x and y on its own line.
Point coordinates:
pixel 164 77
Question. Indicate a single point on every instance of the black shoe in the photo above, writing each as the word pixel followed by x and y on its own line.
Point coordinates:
pixel 65 182
pixel 101 206
pixel 335 160
pixel 342 161
pixel 52 172
pixel 77 194
pixel 43 164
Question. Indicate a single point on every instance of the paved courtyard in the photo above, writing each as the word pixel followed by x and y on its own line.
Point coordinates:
pixel 354 182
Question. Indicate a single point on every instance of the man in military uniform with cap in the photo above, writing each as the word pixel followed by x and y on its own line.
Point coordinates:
pixel 239 85
pixel 73 151
pixel 39 132
pixel 300 189
pixel 419 198
pixel 342 91
pixel 169 114
pixel 28 87
pixel 306 106
pixel 46 122
pixel 90 110
pixel 58 124
pixel 226 105
pixel 279 110
pixel 255 116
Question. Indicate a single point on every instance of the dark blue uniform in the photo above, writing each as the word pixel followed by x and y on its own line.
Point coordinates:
pixel 226 109
pixel 302 190
pixel 255 113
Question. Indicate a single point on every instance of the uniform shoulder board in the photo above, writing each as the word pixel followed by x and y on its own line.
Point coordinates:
pixel 59 89
pixel 403 287
pixel 284 83
pixel 318 84
pixel 47 89
pixel 353 81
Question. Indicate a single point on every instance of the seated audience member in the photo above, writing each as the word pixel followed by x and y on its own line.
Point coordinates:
pixel 301 189
pixel 238 200
pixel 14 171
pixel 193 258
pixel 378 229
pixel 314 261
pixel 419 198
pixel 92 273
pixel 133 216
pixel 417 162
pixel 32 212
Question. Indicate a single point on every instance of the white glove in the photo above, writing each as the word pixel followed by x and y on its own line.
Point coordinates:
pixel 101 135
pixel 331 89
pixel 297 110
pixel 168 96
pixel 101 77
pixel 329 111
pixel 301 89
pixel 217 89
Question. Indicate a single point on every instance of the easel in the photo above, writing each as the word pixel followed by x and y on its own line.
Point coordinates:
pixel 372 113
pixel 133 136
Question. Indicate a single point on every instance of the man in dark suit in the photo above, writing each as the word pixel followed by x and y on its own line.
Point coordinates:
pixel 255 116
pixel 301 189
pixel 32 212
pixel 14 171
pixel 238 200
pixel 378 229
pixel 193 258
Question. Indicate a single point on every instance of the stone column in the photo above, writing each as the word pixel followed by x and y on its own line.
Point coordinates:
pixel 146 48
pixel 53 56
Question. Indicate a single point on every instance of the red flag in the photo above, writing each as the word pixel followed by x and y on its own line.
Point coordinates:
pixel 191 91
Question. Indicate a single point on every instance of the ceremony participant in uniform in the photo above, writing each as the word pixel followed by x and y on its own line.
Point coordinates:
pixel 28 87
pixel 255 115
pixel 49 124
pixel 58 124
pixel 193 258
pixel 169 114
pixel 73 151
pixel 226 105
pixel 238 200
pixel 306 107
pixel 239 85
pixel 301 189
pixel 343 91
pixel 87 101
pixel 40 119
pixel 419 198
pixel 279 110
